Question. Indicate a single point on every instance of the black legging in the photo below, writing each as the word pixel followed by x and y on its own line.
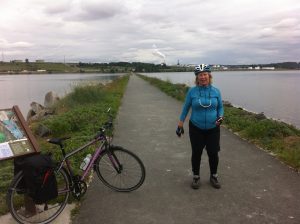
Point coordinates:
pixel 199 139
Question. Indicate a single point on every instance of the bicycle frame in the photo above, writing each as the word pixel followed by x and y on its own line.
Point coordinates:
pixel 95 155
pixel 104 157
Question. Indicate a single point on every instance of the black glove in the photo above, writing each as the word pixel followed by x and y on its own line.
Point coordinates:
pixel 219 120
pixel 179 131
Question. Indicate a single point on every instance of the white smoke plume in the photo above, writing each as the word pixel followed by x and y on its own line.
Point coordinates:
pixel 156 52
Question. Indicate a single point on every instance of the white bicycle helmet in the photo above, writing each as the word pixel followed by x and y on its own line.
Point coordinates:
pixel 201 68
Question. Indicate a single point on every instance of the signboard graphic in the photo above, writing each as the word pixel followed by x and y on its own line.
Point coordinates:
pixel 16 138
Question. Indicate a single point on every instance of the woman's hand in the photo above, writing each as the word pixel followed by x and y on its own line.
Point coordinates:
pixel 180 130
pixel 219 121
pixel 180 124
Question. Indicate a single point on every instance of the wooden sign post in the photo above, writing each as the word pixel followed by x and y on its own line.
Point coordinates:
pixel 16 139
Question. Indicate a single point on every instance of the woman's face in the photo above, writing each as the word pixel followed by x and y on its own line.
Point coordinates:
pixel 203 78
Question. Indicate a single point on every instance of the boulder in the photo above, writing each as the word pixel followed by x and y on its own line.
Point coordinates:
pixel 36 107
pixel 227 103
pixel 50 99
pixel 37 116
pixel 260 116
pixel 30 114
pixel 42 131
pixel 36 112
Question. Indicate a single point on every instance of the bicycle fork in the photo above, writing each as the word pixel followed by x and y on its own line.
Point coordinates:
pixel 115 162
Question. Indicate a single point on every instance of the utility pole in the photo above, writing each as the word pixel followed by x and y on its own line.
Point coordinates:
pixel 64 63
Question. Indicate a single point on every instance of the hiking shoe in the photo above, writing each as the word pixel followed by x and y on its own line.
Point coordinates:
pixel 196 183
pixel 214 181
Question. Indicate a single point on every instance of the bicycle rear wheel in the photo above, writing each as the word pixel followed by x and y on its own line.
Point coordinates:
pixel 24 210
pixel 120 169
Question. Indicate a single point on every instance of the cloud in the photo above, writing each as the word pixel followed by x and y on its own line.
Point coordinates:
pixel 287 23
pixel 58 7
pixel 95 10
pixel 20 44
pixel 191 31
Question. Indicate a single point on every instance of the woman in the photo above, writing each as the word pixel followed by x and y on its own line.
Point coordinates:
pixel 204 125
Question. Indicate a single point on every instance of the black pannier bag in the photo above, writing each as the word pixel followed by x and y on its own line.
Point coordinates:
pixel 39 179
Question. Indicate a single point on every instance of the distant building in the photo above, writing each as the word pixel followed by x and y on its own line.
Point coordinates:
pixel 190 65
pixel 268 68
pixel 39 61
pixel 257 68
pixel 16 61
pixel 250 68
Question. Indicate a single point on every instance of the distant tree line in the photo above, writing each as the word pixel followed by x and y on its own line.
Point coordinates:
pixel 281 65
pixel 286 65
pixel 123 67
pixel 127 66
pixel 148 67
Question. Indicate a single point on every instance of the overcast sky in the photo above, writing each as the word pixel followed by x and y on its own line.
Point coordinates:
pixel 191 31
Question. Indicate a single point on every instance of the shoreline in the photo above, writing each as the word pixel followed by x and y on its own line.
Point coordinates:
pixel 82 72
pixel 262 113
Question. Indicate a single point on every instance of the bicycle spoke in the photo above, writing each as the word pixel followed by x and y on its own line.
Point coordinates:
pixel 131 172
pixel 19 202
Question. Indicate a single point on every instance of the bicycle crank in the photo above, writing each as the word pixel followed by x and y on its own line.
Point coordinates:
pixel 79 188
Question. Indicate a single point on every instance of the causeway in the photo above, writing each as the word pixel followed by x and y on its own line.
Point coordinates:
pixel 256 187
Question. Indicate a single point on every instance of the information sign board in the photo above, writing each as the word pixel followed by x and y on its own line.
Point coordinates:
pixel 16 139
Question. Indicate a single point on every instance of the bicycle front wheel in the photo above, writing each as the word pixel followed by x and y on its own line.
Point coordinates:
pixel 120 169
pixel 24 210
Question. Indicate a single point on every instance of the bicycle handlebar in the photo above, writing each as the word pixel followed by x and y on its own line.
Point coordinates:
pixel 107 125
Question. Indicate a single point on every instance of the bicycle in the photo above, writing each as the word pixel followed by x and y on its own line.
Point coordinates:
pixel 118 169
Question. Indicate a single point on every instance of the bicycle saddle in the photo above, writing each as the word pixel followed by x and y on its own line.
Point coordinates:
pixel 58 141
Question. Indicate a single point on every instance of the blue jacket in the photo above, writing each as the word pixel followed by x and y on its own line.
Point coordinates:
pixel 207 106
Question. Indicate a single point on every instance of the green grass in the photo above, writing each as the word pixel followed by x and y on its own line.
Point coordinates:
pixel 177 91
pixel 34 66
pixel 281 139
pixel 80 114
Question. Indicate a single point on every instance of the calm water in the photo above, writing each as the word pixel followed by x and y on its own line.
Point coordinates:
pixel 21 90
pixel 273 92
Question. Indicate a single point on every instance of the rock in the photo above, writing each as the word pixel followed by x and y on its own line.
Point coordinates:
pixel 49 111
pixel 227 103
pixel 30 114
pixel 50 99
pixel 260 116
pixel 41 114
pixel 42 131
pixel 36 111
pixel 36 107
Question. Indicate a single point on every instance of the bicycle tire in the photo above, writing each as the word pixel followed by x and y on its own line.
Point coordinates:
pixel 16 198
pixel 131 176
